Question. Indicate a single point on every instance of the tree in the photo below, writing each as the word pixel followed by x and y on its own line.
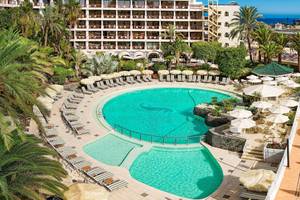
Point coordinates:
pixel 78 58
pixel 232 61
pixel 72 10
pixel 295 45
pixel 281 40
pixel 244 23
pixel 100 64
pixel 206 51
pixel 262 35
pixel 270 50
pixel 27 169
pixel 176 46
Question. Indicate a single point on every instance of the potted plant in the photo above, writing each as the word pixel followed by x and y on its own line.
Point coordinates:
pixel 273 152
pixel 216 118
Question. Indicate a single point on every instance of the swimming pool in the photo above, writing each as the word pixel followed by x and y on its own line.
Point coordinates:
pixel 190 173
pixel 162 115
pixel 110 149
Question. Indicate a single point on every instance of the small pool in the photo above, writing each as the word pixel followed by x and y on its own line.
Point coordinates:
pixel 190 173
pixel 163 115
pixel 110 149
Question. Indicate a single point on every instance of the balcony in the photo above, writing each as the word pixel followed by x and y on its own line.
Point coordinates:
pixel 138 47
pixel 167 5
pixel 95 26
pixel 153 16
pixel 95 36
pixel 110 37
pixel 81 26
pixel 124 37
pixel 123 46
pixel 167 16
pixel 152 37
pixel 95 15
pixel 182 17
pixel 181 27
pixel 124 16
pixel 80 36
pixel 95 46
pixel 138 36
pixel 152 27
pixel 95 5
pixel 109 16
pixel 109 46
pixel 138 27
pixel 123 5
pixel 109 26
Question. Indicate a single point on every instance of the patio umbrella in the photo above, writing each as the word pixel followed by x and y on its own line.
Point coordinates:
pixel 214 72
pixel 282 78
pixel 272 69
pixel 261 104
pixel 163 72
pixel 243 123
pixel 296 75
pixel 258 180
pixel 187 72
pixel 57 88
pixel 124 73
pixel 240 113
pixel 87 81
pixel 202 72
pixel 264 91
pixel 252 77
pixel 95 78
pixel 134 72
pixel 289 103
pixel 175 72
pixel 272 83
pixel 293 85
pixel 277 118
pixel 266 78
pixel 279 109
pixel 214 66
pixel 254 81
pixel 83 191
pixel 147 72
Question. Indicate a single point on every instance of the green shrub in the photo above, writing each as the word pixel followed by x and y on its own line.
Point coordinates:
pixel 128 65
pixel 158 66
pixel 61 74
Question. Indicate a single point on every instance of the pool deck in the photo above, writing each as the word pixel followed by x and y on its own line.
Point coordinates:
pixel 230 162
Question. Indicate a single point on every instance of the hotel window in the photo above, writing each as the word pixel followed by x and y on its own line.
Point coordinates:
pixel 227 35
pixel 226 24
pixel 226 14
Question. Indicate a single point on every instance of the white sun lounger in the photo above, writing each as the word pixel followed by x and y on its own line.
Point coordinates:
pixel 161 78
pixel 223 82
pixel 50 132
pixel 172 78
pixel 101 177
pixel 209 80
pixel 194 78
pixel 168 78
pixel 56 141
pixel 76 160
pixel 77 95
pixel 117 185
pixel 92 88
pixel 190 78
pixel 84 91
pixel 68 152
pixel 95 171
pixel 204 80
pixel 122 80
pixel 183 78
pixel 82 131
pixel 132 79
pixel 82 164
pixel 71 118
pixel 138 79
pixel 112 83
pixel 149 78
pixel 119 82
pixel 101 85
pixel 217 80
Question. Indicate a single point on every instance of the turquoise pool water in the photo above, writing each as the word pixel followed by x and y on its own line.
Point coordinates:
pixel 190 173
pixel 164 113
pixel 110 149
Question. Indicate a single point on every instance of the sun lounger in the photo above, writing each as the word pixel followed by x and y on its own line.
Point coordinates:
pixel 190 78
pixel 138 79
pixel 50 132
pixel 107 83
pixel 117 185
pixel 179 78
pixel 183 78
pixel 161 78
pixel 204 80
pixel 223 82
pixel 101 85
pixel 217 80
pixel 84 91
pixel 168 78
pixel 82 165
pixel 76 160
pixel 120 82
pixel 132 79
pixel 101 177
pixel 149 78
pixel 72 100
pixel 194 78
pixel 209 80
pixel 82 131
pixel 144 78
pixel 55 141
pixel 69 105
pixel 111 81
pixel 68 151
pixel 77 95
pixel 92 88
pixel 75 125
pixel 198 79
pixel 71 118
pixel 128 80
pixel 172 78
pixel 246 194
pixel 95 171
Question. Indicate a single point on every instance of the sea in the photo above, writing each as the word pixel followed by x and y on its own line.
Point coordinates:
pixel 272 19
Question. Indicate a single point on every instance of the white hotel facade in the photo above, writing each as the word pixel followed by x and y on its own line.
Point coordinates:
pixel 136 26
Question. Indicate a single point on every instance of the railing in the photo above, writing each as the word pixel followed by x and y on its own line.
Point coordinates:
pixel 158 139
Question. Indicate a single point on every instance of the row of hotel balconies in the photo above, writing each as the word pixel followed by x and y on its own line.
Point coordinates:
pixel 154 27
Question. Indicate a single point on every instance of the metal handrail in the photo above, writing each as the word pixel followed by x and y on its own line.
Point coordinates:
pixel 158 139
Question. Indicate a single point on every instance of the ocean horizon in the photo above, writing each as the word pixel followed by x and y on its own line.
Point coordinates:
pixel 272 19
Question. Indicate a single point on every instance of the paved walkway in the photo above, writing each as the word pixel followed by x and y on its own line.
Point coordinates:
pixel 290 185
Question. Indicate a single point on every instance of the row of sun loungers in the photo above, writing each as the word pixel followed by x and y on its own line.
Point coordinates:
pixel 68 112
pixel 97 174
pixel 110 83
pixel 195 79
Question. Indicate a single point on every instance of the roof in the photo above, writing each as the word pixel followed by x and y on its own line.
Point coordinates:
pixel 272 69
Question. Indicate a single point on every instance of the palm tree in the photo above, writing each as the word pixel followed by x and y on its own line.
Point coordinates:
pixel 270 50
pixel 262 36
pixel 78 58
pixel 52 25
pixel 100 64
pixel 281 40
pixel 244 23
pixel 27 169
pixel 295 45
pixel 72 12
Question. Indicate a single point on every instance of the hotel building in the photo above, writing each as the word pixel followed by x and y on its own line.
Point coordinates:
pixel 137 25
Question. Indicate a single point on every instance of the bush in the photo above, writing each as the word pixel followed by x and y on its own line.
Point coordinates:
pixel 61 74
pixel 128 65
pixel 159 66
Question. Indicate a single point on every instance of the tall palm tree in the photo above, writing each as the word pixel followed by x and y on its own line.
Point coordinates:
pixel 295 45
pixel 282 41
pixel 27 169
pixel 262 35
pixel 270 50
pixel 244 23
pixel 72 10
pixel 53 26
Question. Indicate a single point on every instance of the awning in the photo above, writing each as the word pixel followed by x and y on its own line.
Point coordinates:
pixel 272 69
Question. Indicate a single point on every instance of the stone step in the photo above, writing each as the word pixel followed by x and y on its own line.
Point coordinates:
pixel 251 158
pixel 253 155
pixel 254 152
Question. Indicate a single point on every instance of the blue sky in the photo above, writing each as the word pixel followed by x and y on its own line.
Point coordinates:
pixel 279 7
